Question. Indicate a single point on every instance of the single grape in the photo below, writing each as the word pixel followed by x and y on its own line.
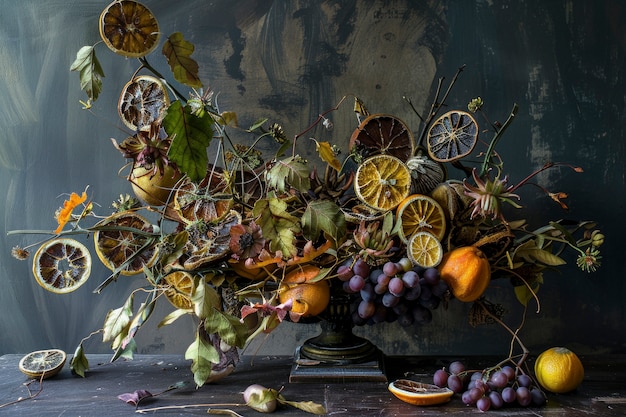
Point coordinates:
pixel 509 395
pixel 346 287
pixel 356 283
pixel 440 288
pixel 422 315
pixel 344 272
pixel 383 279
pixel 524 380
pixel 455 383
pixel 367 292
pixel 509 371
pixel 361 267
pixel 483 404
pixel 419 269
pixel 380 314
pixel 405 264
pixel 456 367
pixel 440 378
pixel 496 400
pixel 357 319
pixel 476 394
pixel 390 269
pixel 499 379
pixel 413 294
pixel 432 303
pixel 426 293
pixel 466 397
pixel 366 309
pixel 401 308
pixel 523 396
pixel 476 376
pixel 410 279
pixel 538 397
pixel 431 276
pixel 374 273
pixel 481 385
pixel 390 299
pixel 396 286
pixel 380 289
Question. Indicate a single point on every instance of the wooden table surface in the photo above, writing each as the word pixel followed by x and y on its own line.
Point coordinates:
pixel 603 392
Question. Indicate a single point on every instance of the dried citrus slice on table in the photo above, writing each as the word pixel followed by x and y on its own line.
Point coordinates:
pixel 382 182
pixel 424 249
pixel 62 265
pixel 383 134
pixel 124 242
pixel 42 363
pixel 179 289
pixel 142 101
pixel 129 28
pixel 418 393
pixel 420 213
pixel 452 136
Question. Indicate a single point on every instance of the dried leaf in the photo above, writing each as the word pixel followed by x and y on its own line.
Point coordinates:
pixel 178 53
pixel 325 151
pixel 323 216
pixel 134 397
pixel 203 355
pixel 79 363
pixel 293 171
pixel 308 406
pixel 117 320
pixel 277 225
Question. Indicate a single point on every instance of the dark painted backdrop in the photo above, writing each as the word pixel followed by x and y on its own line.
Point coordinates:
pixel 561 61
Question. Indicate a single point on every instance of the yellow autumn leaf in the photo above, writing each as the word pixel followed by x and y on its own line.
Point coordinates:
pixel 327 154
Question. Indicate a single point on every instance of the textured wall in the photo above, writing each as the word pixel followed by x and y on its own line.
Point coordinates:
pixel 562 61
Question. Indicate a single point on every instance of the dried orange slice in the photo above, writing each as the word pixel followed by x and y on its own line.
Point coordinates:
pixel 383 134
pixel 142 101
pixel 125 243
pixel 42 363
pixel 62 265
pixel 129 28
pixel 179 289
pixel 382 182
pixel 420 213
pixel 208 201
pixel 418 393
pixel 424 249
pixel 452 136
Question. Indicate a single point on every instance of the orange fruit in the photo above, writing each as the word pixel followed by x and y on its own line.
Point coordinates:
pixel 309 298
pixel 424 249
pixel 62 265
pixel 418 393
pixel 382 182
pixel 124 242
pixel 383 134
pixel 129 28
pixel 143 100
pixel 179 289
pixel 452 136
pixel 420 213
pixel 467 272
pixel 559 370
pixel 153 188
pixel 42 363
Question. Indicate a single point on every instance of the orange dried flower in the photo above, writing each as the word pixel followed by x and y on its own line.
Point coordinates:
pixel 65 213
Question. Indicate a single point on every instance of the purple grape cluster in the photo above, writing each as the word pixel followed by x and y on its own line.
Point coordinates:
pixel 490 390
pixel 396 291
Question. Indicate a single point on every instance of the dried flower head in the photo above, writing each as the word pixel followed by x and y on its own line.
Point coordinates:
pixel 64 214
pixel 589 261
pixel 488 196
pixel 246 241
pixel 20 253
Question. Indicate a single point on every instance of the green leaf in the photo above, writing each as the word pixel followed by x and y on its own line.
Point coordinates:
pixel 178 53
pixel 277 225
pixel 79 363
pixel 203 355
pixel 191 135
pixel 323 216
pixel 126 351
pixel 117 320
pixel 90 71
pixel 230 329
pixel 524 294
pixel 172 317
pixel 293 171
pixel 204 298
pixel 257 125
pixel 532 254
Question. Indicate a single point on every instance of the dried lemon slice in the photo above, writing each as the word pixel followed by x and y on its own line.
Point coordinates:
pixel 383 134
pixel 382 182
pixel 62 265
pixel 129 28
pixel 124 243
pixel 42 363
pixel 179 289
pixel 420 213
pixel 424 249
pixel 418 393
pixel 142 101
pixel 452 136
